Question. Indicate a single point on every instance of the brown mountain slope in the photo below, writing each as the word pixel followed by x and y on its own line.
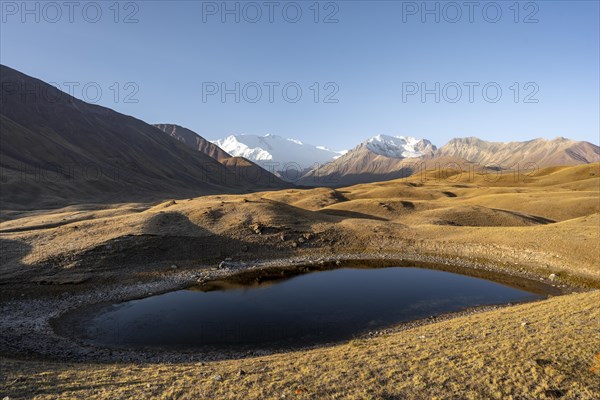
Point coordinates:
pixel 542 152
pixel 361 165
pixel 243 169
pixel 57 150
pixel 193 140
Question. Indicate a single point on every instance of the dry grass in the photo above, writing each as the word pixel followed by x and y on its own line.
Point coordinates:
pixel 532 351
pixel 546 223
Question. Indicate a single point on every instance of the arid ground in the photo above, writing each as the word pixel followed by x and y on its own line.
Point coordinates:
pixel 543 226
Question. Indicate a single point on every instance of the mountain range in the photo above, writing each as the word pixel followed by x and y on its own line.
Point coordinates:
pixel 368 163
pixel 58 150
pixel 542 152
pixel 385 157
pixel 379 158
pixel 288 158
pixel 242 168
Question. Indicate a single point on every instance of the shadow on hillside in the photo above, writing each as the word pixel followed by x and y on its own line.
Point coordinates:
pixel 336 181
pixel 11 254
pixel 351 214
pixel 535 219
pixel 168 237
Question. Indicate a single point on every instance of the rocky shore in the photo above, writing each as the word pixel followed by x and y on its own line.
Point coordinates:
pixel 44 326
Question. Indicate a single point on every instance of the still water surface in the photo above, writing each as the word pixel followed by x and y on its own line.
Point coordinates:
pixel 314 308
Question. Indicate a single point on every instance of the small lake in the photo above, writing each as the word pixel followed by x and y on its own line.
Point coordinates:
pixel 314 308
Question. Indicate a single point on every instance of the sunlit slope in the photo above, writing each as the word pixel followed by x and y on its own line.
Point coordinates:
pixel 549 222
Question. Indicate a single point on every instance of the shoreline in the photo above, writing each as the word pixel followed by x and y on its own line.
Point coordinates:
pixel 35 327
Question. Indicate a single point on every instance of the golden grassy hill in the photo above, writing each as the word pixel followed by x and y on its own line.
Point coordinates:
pixel 376 217
pixel 541 224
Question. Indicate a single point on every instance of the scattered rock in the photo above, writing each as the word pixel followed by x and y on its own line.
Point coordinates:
pixel 222 265
pixel 294 245
pixel 228 259
pixel 552 277
pixel 218 378
pixel 307 236
pixel 173 266
pixel 241 372
pixel 257 228
pixel 61 279
pixel 524 323
pixel 555 393
pixel 283 237
pixel 301 240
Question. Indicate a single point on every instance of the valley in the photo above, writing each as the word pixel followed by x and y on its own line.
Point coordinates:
pixel 542 229
pixel 311 200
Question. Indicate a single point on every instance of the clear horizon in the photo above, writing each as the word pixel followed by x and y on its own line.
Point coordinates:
pixel 362 68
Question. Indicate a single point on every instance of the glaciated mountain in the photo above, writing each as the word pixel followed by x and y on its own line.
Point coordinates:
pixel 276 153
pixel 379 158
pixel 240 167
pixel 389 157
pixel 399 146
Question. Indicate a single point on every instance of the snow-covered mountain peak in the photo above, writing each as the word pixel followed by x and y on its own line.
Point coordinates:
pixel 278 150
pixel 398 146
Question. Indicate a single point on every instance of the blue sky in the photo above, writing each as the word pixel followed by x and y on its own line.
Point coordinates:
pixel 372 57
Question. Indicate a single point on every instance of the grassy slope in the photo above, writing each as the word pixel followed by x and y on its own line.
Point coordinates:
pixel 486 355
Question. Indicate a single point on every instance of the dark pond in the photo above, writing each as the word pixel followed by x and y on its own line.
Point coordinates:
pixel 313 308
